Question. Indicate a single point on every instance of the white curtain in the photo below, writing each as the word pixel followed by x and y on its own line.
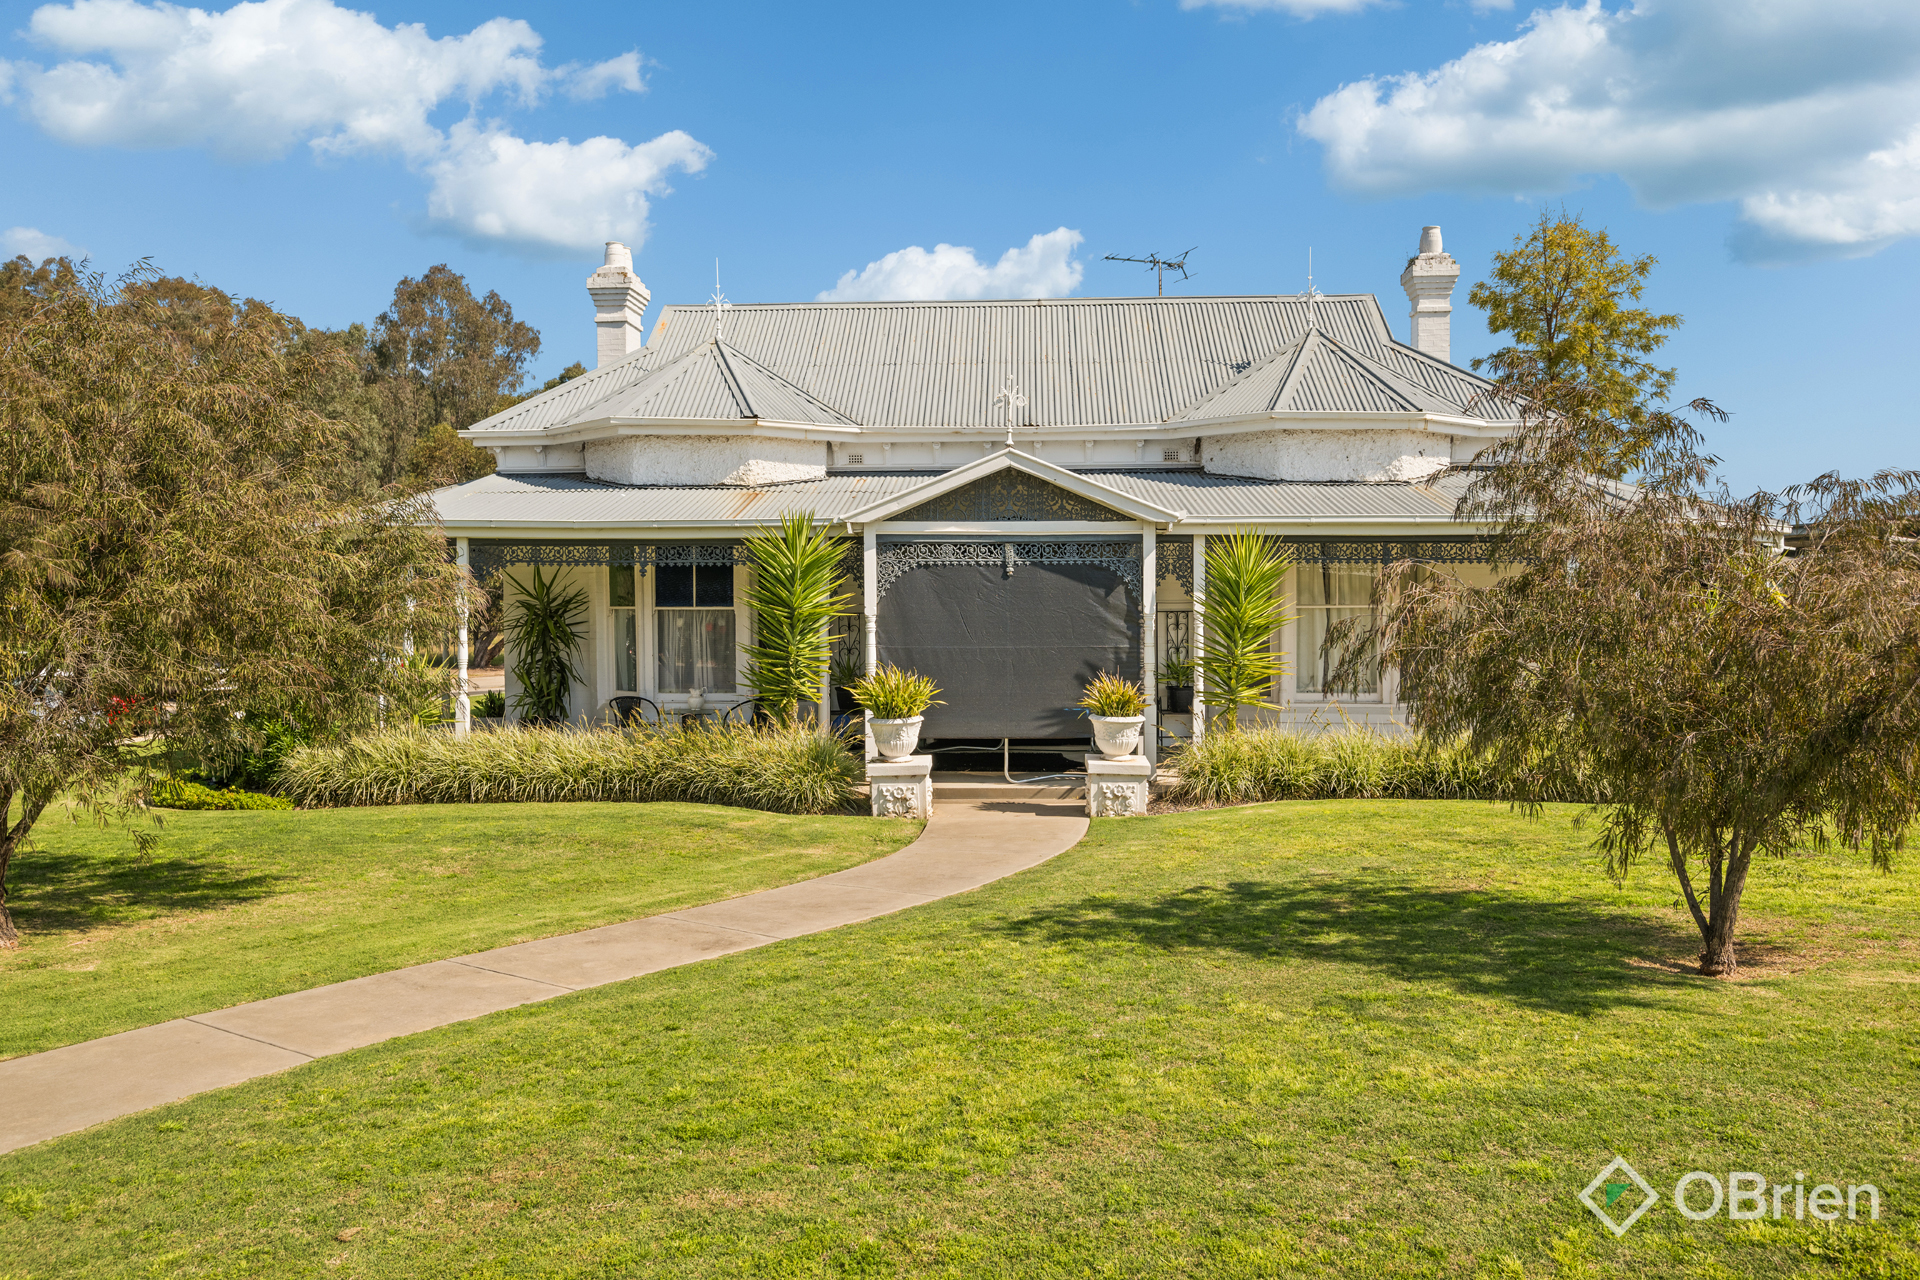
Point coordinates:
pixel 695 650
pixel 1329 594
pixel 626 652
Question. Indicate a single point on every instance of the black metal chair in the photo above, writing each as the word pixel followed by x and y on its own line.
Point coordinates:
pixel 747 712
pixel 630 711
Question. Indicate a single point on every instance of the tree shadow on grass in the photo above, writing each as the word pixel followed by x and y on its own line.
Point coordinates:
pixel 52 892
pixel 1569 957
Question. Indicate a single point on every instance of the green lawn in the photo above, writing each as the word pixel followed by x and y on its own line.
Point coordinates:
pixel 1319 1039
pixel 240 906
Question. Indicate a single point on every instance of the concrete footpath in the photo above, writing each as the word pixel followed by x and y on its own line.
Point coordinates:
pixel 964 846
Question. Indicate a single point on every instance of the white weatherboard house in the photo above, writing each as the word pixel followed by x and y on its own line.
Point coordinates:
pixel 1026 487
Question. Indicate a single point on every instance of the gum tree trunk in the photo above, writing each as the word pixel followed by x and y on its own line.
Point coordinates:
pixel 10 839
pixel 1726 880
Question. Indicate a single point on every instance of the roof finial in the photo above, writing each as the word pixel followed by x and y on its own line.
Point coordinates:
pixel 719 301
pixel 1313 318
pixel 1015 400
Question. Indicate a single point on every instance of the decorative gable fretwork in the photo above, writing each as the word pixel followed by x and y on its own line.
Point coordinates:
pixel 1009 495
pixel 899 556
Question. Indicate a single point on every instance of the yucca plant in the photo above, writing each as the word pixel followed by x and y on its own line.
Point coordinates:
pixel 795 571
pixel 1241 611
pixel 888 693
pixel 543 634
pixel 1110 695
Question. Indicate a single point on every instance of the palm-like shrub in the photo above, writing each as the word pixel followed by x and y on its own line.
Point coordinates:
pixel 1110 695
pixel 888 693
pixel 543 635
pixel 795 570
pixel 1241 611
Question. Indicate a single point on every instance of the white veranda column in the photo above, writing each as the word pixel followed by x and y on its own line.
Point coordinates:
pixel 1198 633
pixel 462 697
pixel 870 611
pixel 1150 607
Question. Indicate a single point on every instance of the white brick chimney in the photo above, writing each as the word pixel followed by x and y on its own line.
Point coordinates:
pixel 1429 280
pixel 619 300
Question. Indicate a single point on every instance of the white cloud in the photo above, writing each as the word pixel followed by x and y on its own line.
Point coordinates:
pixel 1804 111
pixel 597 80
pixel 490 185
pixel 1298 8
pixel 255 80
pixel 1043 269
pixel 36 244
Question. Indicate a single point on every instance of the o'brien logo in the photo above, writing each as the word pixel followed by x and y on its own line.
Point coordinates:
pixel 1619 1195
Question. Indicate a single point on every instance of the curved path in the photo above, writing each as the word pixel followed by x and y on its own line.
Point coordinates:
pixel 964 846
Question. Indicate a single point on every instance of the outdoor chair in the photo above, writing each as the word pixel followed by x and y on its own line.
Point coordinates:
pixel 635 711
pixel 747 712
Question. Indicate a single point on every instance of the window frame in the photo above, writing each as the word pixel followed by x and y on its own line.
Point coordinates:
pixel 647 651
pixel 1291 640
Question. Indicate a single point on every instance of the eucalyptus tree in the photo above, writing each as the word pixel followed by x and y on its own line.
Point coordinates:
pixel 1567 298
pixel 1727 701
pixel 440 360
pixel 173 549
pixel 796 569
pixel 1240 611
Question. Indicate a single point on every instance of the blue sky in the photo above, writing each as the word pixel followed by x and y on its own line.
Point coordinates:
pixel 1768 153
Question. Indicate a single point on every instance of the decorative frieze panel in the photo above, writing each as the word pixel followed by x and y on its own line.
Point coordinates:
pixel 1175 555
pixel 1455 550
pixel 1175 552
pixel 898 557
pixel 490 557
pixel 1009 495
pixel 486 557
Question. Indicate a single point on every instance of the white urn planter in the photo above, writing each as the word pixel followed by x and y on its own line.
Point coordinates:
pixel 896 739
pixel 1117 736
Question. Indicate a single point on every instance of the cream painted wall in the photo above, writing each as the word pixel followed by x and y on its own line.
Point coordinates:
pixel 1328 455
pixel 741 460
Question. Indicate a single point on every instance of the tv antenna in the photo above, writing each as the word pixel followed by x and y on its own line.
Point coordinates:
pixel 1159 266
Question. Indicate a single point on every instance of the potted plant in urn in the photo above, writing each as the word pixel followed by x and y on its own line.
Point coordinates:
pixel 1116 707
pixel 895 699
pixel 1177 675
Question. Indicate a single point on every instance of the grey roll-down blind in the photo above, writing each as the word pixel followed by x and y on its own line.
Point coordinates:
pixel 1010 652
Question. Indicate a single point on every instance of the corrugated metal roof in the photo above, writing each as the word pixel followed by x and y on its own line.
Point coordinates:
pixel 509 500
pixel 1217 499
pixel 515 499
pixel 1081 362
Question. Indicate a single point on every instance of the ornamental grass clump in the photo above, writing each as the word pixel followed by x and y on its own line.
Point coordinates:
pixel 1114 696
pixel 888 693
pixel 781 768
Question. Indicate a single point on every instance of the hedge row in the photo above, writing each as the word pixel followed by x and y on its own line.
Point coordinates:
pixel 786 770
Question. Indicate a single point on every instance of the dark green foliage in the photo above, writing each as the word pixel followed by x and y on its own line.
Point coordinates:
pixel 177 551
pixel 543 637
pixel 254 765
